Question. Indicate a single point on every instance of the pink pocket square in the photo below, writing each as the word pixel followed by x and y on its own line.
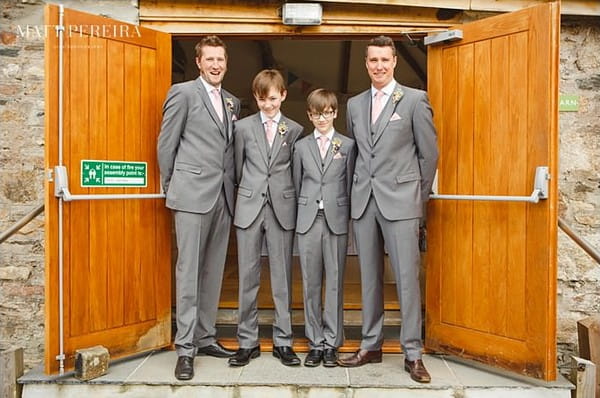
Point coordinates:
pixel 395 116
pixel 337 156
pixel 284 143
pixel 233 118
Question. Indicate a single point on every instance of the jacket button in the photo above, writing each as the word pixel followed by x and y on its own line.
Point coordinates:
pixel 262 194
pixel 372 155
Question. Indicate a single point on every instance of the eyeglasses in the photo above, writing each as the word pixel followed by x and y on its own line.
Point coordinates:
pixel 317 116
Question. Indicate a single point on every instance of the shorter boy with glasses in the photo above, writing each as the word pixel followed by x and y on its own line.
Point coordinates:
pixel 323 170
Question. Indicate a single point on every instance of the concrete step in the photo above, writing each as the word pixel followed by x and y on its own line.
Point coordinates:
pixel 151 376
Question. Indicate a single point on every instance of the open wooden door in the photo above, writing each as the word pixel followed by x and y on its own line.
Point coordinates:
pixel 116 253
pixel 491 266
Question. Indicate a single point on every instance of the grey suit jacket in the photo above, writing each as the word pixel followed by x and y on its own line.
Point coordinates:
pixel 397 157
pixel 263 172
pixel 329 179
pixel 195 149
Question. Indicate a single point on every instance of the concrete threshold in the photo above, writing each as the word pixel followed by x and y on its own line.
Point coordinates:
pixel 151 376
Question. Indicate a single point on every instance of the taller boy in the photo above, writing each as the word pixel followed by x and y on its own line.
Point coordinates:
pixel 195 156
pixel 396 163
pixel 265 208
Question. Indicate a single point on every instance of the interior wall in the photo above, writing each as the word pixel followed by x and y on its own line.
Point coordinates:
pixel 305 64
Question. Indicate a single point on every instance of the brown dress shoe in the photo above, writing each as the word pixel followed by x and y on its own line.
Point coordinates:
pixel 360 358
pixel 417 371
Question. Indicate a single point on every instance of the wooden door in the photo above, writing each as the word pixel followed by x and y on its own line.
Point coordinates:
pixel 491 266
pixel 117 253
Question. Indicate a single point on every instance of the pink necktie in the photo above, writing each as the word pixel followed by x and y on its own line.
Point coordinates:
pixel 377 106
pixel 217 103
pixel 269 131
pixel 323 146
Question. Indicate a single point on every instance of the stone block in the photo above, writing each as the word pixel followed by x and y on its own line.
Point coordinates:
pixel 91 362
pixel 11 368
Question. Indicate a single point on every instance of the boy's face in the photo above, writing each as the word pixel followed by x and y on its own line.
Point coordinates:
pixel 270 104
pixel 323 121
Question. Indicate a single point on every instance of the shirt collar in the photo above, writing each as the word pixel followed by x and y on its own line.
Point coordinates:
pixel 209 87
pixel 387 90
pixel 329 134
pixel 264 118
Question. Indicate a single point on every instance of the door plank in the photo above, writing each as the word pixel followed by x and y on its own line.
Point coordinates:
pixel 481 210
pixel 449 152
pixel 115 150
pixel 132 136
pixel 99 229
pixel 79 131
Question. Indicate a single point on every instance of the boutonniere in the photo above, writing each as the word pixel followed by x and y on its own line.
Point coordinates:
pixel 282 128
pixel 336 143
pixel 229 103
pixel 397 95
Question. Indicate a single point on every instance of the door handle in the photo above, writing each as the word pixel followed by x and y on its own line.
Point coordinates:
pixel 61 190
pixel 540 191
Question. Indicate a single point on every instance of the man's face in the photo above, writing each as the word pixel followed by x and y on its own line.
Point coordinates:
pixel 212 64
pixel 270 104
pixel 380 62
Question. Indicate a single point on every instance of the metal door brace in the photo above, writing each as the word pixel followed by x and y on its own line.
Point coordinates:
pixel 61 190
pixel 540 191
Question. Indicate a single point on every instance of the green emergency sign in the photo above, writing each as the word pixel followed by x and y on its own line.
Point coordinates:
pixel 109 173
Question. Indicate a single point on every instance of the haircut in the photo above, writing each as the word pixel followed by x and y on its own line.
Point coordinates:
pixel 321 99
pixel 212 41
pixel 381 41
pixel 265 80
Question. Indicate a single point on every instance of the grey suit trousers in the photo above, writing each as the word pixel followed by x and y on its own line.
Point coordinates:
pixel 401 240
pixel 202 244
pixel 321 250
pixel 279 248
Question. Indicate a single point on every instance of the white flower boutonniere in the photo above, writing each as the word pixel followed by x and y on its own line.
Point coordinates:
pixel 397 95
pixel 336 143
pixel 229 103
pixel 282 128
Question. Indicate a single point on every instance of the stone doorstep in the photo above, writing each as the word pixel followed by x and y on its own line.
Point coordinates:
pixel 151 375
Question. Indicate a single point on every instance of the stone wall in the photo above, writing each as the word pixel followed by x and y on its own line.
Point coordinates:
pixel 579 180
pixel 22 152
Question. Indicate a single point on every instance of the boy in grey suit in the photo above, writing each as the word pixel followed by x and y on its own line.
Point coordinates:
pixel 323 169
pixel 265 209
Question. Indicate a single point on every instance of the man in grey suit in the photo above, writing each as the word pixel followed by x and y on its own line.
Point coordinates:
pixel 195 156
pixel 397 158
pixel 323 169
pixel 265 209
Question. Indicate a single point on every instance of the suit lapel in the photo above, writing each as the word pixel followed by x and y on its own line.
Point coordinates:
pixel 211 110
pixel 313 147
pixel 228 115
pixel 386 114
pixel 278 141
pixel 261 139
pixel 329 155
pixel 365 103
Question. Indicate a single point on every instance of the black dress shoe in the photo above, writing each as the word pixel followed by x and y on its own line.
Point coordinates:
pixel 330 357
pixel 215 350
pixel 184 370
pixel 313 358
pixel 286 355
pixel 243 356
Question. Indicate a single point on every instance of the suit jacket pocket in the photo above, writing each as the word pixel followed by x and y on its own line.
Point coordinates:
pixel 411 176
pixel 342 201
pixel 187 167
pixel 302 200
pixel 355 178
pixel 289 194
pixel 244 192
